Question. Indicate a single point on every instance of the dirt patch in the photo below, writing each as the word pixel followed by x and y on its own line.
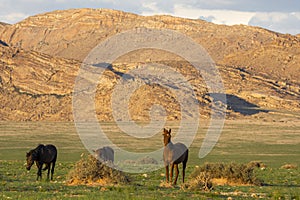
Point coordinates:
pixel 225 181
pixel 164 184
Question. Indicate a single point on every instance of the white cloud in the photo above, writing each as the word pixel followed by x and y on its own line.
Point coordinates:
pixel 228 17
pixel 13 17
pixel 151 7
pixel 156 8
pixel 216 2
pixel 280 22
pixel 277 21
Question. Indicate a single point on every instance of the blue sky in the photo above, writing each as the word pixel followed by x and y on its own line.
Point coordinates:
pixel 277 15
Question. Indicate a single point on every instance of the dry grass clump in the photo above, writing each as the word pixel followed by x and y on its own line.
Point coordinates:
pixel 289 166
pixel 202 181
pixel 258 164
pixel 90 171
pixel 204 177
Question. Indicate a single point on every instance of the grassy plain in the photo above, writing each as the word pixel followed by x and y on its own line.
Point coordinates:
pixel 273 142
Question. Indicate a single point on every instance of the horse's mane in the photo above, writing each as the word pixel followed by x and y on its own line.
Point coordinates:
pixel 39 147
pixel 35 152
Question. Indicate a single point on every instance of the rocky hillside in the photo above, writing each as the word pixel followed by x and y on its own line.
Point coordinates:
pixel 41 55
pixel 35 86
pixel 73 33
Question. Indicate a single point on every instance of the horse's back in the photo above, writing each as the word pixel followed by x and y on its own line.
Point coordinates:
pixel 181 153
pixel 50 153
pixel 105 154
pixel 110 154
pixel 51 148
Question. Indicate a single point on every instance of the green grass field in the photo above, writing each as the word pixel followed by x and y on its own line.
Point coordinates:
pixel 274 143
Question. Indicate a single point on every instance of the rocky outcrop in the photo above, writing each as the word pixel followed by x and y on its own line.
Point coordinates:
pixel 2 24
pixel 73 33
pixel 35 86
pixel 40 58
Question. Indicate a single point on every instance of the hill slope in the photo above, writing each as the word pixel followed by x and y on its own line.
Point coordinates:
pixel 73 33
pixel 260 69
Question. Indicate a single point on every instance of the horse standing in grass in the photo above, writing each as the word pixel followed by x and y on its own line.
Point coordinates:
pixel 174 154
pixel 105 154
pixel 42 154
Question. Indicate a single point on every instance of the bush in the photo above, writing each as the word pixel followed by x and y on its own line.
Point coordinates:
pixel 205 176
pixel 89 170
pixel 201 181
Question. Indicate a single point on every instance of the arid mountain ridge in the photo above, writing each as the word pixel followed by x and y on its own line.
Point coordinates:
pixel 41 55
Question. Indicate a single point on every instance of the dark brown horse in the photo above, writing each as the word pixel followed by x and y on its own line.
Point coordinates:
pixel 174 154
pixel 42 154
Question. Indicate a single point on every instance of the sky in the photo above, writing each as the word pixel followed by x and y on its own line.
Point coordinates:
pixel 277 15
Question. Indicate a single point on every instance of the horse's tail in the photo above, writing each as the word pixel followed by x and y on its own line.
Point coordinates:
pixel 55 157
pixel 187 155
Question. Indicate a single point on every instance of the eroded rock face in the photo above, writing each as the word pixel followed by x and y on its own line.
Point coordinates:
pixel 35 86
pixel 73 33
pixel 40 58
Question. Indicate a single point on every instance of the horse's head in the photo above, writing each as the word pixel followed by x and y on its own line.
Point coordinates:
pixel 167 136
pixel 104 154
pixel 30 158
pixel 97 154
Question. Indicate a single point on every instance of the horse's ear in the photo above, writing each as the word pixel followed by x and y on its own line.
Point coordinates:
pixel 164 132
pixel 170 131
pixel 93 150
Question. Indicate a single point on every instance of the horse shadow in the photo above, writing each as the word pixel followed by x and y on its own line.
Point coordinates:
pixel 237 104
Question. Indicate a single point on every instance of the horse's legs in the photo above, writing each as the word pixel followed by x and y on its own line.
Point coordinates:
pixel 183 171
pixel 171 174
pixel 167 173
pixel 39 173
pixel 48 167
pixel 52 169
pixel 176 175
